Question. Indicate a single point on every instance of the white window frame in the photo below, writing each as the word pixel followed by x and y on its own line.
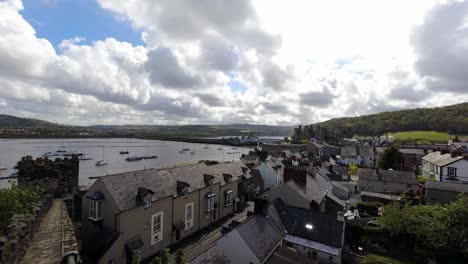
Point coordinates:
pixel 157 234
pixel 210 201
pixel 453 170
pixel 147 202
pixel 227 198
pixel 189 218
pixel 95 210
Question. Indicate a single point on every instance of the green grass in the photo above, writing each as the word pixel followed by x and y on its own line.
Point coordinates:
pixel 423 136
pixel 370 257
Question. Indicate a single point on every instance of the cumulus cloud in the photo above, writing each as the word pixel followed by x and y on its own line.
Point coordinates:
pixel 165 70
pixel 323 98
pixel 441 46
pixel 291 70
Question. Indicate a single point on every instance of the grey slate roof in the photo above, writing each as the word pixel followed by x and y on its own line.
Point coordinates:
pixel 214 255
pixel 249 157
pixel 348 151
pixel 123 187
pixel 412 151
pixel 326 228
pixel 368 152
pixel 440 160
pixel 261 235
pixel 341 170
pixel 398 176
pixel 447 186
pixel 387 176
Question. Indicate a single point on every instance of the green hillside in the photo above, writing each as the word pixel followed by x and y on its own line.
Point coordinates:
pixel 423 137
pixel 8 121
pixel 38 128
pixel 451 119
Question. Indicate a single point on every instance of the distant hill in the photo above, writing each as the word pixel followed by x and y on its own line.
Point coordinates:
pixel 8 121
pixel 208 130
pixel 452 119
pixel 45 128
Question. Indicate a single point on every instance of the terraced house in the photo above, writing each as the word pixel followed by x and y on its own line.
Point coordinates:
pixel 143 212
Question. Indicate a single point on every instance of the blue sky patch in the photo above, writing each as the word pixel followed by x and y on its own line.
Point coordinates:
pixel 65 19
pixel 237 86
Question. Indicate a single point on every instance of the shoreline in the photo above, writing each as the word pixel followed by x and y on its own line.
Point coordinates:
pixel 232 141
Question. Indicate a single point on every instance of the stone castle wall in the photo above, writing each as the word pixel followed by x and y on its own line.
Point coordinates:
pixel 21 230
pixel 58 177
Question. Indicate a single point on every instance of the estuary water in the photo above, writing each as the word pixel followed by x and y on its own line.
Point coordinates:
pixel 167 152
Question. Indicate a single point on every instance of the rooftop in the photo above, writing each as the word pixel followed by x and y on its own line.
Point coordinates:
pixel 441 159
pixel 412 151
pixel 447 186
pixel 325 229
pixel 123 187
pixel 387 176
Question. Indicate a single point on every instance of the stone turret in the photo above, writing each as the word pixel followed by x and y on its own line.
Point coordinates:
pixel 58 177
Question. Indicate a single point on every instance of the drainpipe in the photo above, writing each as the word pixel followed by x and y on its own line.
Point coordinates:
pixel 115 221
pixel 199 207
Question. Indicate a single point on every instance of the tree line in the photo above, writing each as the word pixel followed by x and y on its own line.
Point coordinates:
pixel 452 119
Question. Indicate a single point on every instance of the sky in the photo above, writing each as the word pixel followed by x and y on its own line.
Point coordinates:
pixel 220 61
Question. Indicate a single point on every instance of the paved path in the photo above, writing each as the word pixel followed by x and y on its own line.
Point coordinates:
pixel 46 244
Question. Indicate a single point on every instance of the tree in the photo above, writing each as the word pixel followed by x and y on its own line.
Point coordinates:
pixel 179 258
pixel 16 200
pixel 156 260
pixel 165 256
pixel 352 169
pixel 390 158
pixel 137 259
pixel 433 227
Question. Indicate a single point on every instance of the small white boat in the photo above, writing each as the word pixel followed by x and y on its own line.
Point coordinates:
pixel 84 157
pixel 49 154
pixel 193 153
pixel 220 149
pixel 100 163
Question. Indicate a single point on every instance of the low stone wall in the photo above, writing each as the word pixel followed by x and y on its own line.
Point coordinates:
pixel 21 230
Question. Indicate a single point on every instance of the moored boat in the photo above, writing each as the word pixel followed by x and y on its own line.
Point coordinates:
pixel 135 158
pixel 100 163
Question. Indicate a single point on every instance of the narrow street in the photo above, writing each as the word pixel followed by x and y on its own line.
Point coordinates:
pixel 202 242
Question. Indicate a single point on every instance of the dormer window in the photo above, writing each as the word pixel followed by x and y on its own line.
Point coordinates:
pixel 147 202
pixel 144 197
pixel 95 206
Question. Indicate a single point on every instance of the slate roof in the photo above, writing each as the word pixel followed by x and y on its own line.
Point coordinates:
pixel 398 176
pixel 249 157
pixel 348 151
pixel 326 228
pixel 447 186
pixel 341 170
pixel 368 174
pixel 440 160
pixel 214 255
pixel 261 235
pixel 387 176
pixel 368 152
pixel 412 151
pixel 124 187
